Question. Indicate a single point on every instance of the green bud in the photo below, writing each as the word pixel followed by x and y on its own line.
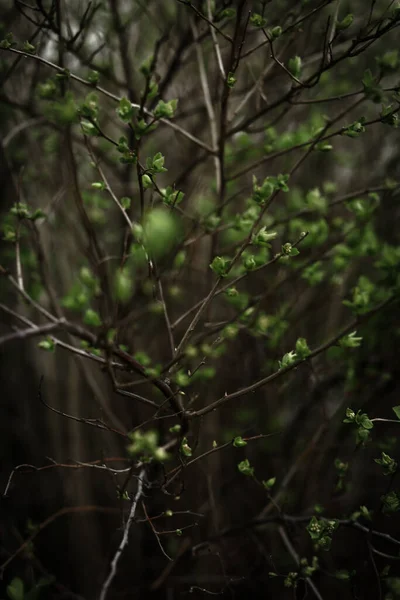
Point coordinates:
pixel 125 110
pixel 276 32
pixel 302 349
pixel 345 23
pixel 245 468
pixel 185 448
pixel 294 66
pixel 47 344
pixel 92 318
pixel 230 80
pixel 146 181
pixel 175 428
pixel 220 266
pixel 269 483
pixel 239 442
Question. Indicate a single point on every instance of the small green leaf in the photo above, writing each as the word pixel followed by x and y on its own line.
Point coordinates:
pixel 89 128
pixel 230 80
pixel 350 341
pixel 27 47
pixel 175 428
pixel 7 42
pixel 15 590
pixel 269 483
pixel 165 110
pixel 92 318
pixel 220 266
pixel 396 410
pixel 125 202
pixel 125 110
pixel 185 448
pixel 294 66
pixel 98 185
pixel 228 13
pixel 93 77
pixel 123 285
pixel 257 20
pixel 239 442
pixel 302 349
pixel 345 23
pixel 276 32
pixel 182 379
pixel 245 468
pixel 342 574
pixel 47 344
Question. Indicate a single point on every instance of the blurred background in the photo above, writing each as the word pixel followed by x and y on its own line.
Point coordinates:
pixel 147 51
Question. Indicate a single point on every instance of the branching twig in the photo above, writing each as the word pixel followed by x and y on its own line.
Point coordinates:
pixel 124 541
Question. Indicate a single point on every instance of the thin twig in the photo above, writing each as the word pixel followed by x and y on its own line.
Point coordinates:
pixel 296 558
pixel 215 42
pixel 22 334
pixel 114 97
pixel 254 386
pixel 124 542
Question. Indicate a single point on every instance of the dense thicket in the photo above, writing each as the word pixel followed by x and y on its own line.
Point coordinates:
pixel 199 299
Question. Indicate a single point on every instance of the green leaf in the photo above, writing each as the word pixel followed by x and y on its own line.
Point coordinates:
pixel 372 89
pixel 269 483
pixel 89 128
pixel 165 110
pixel 123 285
pixel 239 442
pixel 161 230
pixel 302 349
pixel 94 77
pixel 288 360
pixel 228 13
pixel 15 590
pixel 125 110
pixel 99 185
pixel 7 42
pixel 245 468
pixel 396 410
pixel 249 262
pixel 345 23
pixel 175 428
pixel 47 344
pixel 263 238
pixel 145 67
pixel 350 341
pixel 220 266
pixel 257 20
pixel 182 379
pixel 342 574
pixel 38 214
pixel 365 422
pixel 146 181
pixel 92 318
pixel 230 80
pixel 28 47
pixel 388 464
pixel 389 61
pixel 276 32
pixel 289 250
pixel 185 448
pixel 294 66
pixel 323 147
pixel 391 502
pixel 125 202
pixel 156 164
